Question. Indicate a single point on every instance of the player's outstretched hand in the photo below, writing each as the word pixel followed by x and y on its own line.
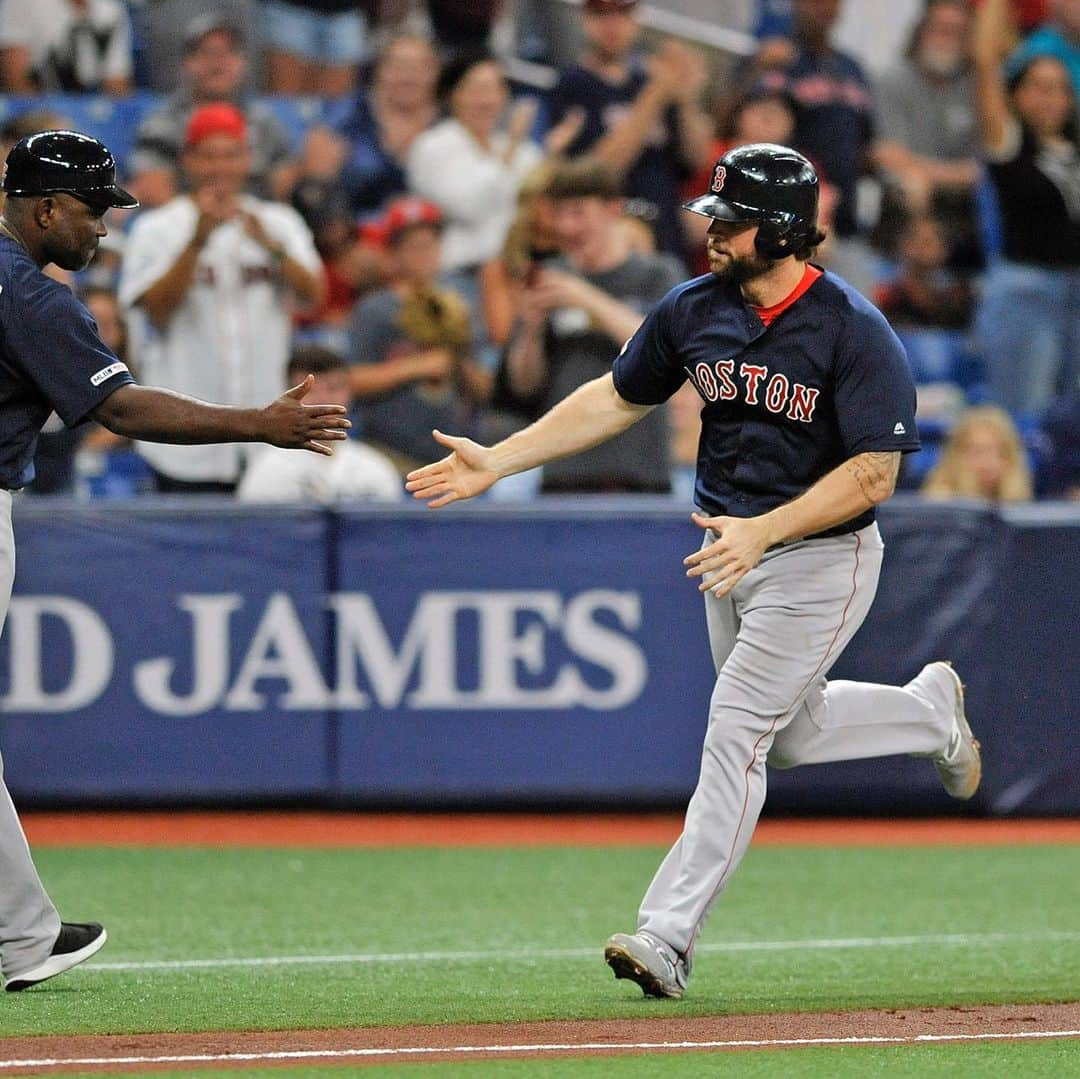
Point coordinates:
pixel 466 472
pixel 290 423
pixel 740 543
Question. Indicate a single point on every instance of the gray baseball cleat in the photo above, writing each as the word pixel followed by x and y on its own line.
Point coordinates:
pixel 960 766
pixel 648 961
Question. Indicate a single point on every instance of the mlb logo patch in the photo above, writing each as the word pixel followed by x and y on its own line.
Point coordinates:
pixel 719 175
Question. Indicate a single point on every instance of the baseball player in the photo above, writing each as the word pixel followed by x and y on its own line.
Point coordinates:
pixel 59 185
pixel 808 405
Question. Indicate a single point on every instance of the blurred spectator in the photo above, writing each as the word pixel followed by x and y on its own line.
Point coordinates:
pixel 410 344
pixel 1028 322
pixel 928 144
pixel 641 116
pixel 924 294
pixel 160 27
pixel 73 45
pixel 366 145
pixel 28 122
pixel 352 263
pixel 1059 36
pixel 355 471
pixel 835 121
pixel 1059 475
pixel 575 315
pixel 208 279
pixel 530 241
pixel 983 458
pixel 469 166
pixel 462 26
pixel 214 67
pixel 313 46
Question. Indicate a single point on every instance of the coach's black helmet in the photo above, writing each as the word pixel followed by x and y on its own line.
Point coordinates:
pixel 68 162
pixel 772 185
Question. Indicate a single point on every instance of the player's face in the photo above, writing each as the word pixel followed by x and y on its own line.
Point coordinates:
pixel 74 230
pixel 731 251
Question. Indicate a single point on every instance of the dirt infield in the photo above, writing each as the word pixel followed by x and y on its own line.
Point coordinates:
pixel 312 829
pixel 23 1056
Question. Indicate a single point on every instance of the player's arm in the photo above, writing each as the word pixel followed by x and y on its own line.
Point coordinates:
pixel 156 415
pixel 593 413
pixel 862 481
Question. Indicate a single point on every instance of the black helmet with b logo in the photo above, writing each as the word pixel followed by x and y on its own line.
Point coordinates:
pixel 772 185
pixel 68 162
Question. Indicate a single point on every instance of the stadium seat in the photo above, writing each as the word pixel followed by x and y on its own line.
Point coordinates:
pixel 114 120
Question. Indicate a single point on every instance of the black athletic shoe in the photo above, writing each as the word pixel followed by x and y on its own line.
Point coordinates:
pixel 77 941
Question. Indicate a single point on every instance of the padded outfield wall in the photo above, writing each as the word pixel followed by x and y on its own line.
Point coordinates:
pixel 191 652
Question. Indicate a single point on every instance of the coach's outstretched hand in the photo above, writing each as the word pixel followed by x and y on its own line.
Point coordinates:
pixel 468 471
pixel 294 425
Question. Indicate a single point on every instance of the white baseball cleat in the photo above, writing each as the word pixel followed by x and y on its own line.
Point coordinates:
pixel 648 961
pixel 960 766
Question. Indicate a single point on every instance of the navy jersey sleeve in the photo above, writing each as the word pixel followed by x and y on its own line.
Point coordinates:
pixel 54 339
pixel 874 390
pixel 647 370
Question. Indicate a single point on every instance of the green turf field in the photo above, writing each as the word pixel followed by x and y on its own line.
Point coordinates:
pixel 1007 1061
pixel 421 936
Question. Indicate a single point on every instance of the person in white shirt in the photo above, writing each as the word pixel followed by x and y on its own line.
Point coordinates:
pixel 469 165
pixel 209 281
pixel 355 471
pixel 75 45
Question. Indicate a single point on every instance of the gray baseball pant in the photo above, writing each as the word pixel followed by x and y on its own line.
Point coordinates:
pixel 29 924
pixel 773 639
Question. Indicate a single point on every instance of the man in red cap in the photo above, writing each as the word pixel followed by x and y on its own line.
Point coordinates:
pixel 210 280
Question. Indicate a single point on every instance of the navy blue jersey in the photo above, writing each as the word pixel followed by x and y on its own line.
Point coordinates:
pixel 784 405
pixel 51 360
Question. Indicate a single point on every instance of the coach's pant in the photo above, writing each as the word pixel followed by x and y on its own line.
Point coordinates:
pixel 773 639
pixel 29 923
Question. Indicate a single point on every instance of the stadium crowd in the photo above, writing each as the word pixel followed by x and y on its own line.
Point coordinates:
pixel 387 196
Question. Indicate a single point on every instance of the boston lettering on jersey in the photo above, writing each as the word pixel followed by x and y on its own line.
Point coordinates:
pixel 717 383
pixel 784 403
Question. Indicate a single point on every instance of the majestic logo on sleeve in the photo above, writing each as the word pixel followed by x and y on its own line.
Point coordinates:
pixel 98 377
pixel 718 177
pixel 719 382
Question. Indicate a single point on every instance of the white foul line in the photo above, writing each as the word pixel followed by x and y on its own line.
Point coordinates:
pixel 556 1047
pixel 530 955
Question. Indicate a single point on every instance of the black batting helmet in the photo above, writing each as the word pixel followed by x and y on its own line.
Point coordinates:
pixel 68 162
pixel 773 185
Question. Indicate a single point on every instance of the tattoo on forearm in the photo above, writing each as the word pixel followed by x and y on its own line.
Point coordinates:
pixel 874 473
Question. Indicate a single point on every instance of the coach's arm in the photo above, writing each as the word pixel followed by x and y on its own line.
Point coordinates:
pixel 156 415
pixel 592 414
pixel 862 481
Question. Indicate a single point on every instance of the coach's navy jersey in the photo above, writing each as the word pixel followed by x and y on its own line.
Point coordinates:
pixel 784 405
pixel 51 359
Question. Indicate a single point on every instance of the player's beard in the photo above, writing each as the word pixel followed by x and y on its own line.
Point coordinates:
pixel 743 268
